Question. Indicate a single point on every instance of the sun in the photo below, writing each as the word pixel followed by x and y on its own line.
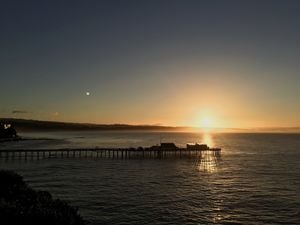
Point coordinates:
pixel 206 122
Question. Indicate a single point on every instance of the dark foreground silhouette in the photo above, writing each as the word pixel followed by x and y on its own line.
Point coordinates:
pixel 20 204
pixel 7 131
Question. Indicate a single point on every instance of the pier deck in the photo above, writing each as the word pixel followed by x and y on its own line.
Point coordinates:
pixel 110 153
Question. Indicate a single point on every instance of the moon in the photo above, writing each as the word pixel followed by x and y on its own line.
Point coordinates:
pixel 87 93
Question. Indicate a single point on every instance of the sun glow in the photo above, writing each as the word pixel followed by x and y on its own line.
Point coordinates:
pixel 206 122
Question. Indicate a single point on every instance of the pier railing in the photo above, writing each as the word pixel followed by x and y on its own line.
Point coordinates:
pixel 109 153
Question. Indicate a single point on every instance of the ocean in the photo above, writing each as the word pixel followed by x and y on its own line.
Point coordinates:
pixel 255 180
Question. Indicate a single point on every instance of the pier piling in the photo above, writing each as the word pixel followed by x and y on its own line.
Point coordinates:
pixel 110 153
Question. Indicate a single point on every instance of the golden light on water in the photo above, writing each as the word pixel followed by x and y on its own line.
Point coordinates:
pixel 207 139
pixel 208 161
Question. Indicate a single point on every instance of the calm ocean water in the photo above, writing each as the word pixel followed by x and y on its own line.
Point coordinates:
pixel 256 180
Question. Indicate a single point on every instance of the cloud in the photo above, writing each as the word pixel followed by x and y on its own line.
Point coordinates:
pixel 19 112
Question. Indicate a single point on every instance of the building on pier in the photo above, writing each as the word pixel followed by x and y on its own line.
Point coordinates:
pixel 168 146
pixel 197 146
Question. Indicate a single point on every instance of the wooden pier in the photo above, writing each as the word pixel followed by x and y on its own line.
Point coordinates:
pixel 109 153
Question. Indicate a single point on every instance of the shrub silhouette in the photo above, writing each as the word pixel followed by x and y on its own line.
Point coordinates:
pixel 8 132
pixel 20 204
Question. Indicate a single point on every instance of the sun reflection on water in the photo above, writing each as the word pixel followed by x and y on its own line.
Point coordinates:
pixel 208 161
pixel 207 139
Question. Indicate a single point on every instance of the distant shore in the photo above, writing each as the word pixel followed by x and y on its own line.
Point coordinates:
pixel 28 125
pixel 37 125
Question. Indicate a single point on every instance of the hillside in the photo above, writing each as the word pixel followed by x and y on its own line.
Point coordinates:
pixel 31 125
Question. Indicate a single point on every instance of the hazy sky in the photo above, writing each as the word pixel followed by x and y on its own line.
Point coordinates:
pixel 152 62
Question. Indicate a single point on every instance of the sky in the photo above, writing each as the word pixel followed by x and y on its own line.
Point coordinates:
pixel 167 62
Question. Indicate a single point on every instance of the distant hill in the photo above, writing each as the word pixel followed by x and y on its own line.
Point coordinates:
pixel 37 125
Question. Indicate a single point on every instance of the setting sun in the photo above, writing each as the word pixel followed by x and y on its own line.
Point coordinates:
pixel 149 112
pixel 206 122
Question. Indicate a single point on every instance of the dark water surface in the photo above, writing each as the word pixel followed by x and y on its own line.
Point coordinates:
pixel 256 180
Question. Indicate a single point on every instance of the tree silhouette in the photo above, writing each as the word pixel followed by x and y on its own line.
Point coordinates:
pixel 7 132
pixel 21 205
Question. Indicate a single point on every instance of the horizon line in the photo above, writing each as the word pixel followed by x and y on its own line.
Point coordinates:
pixel 161 125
